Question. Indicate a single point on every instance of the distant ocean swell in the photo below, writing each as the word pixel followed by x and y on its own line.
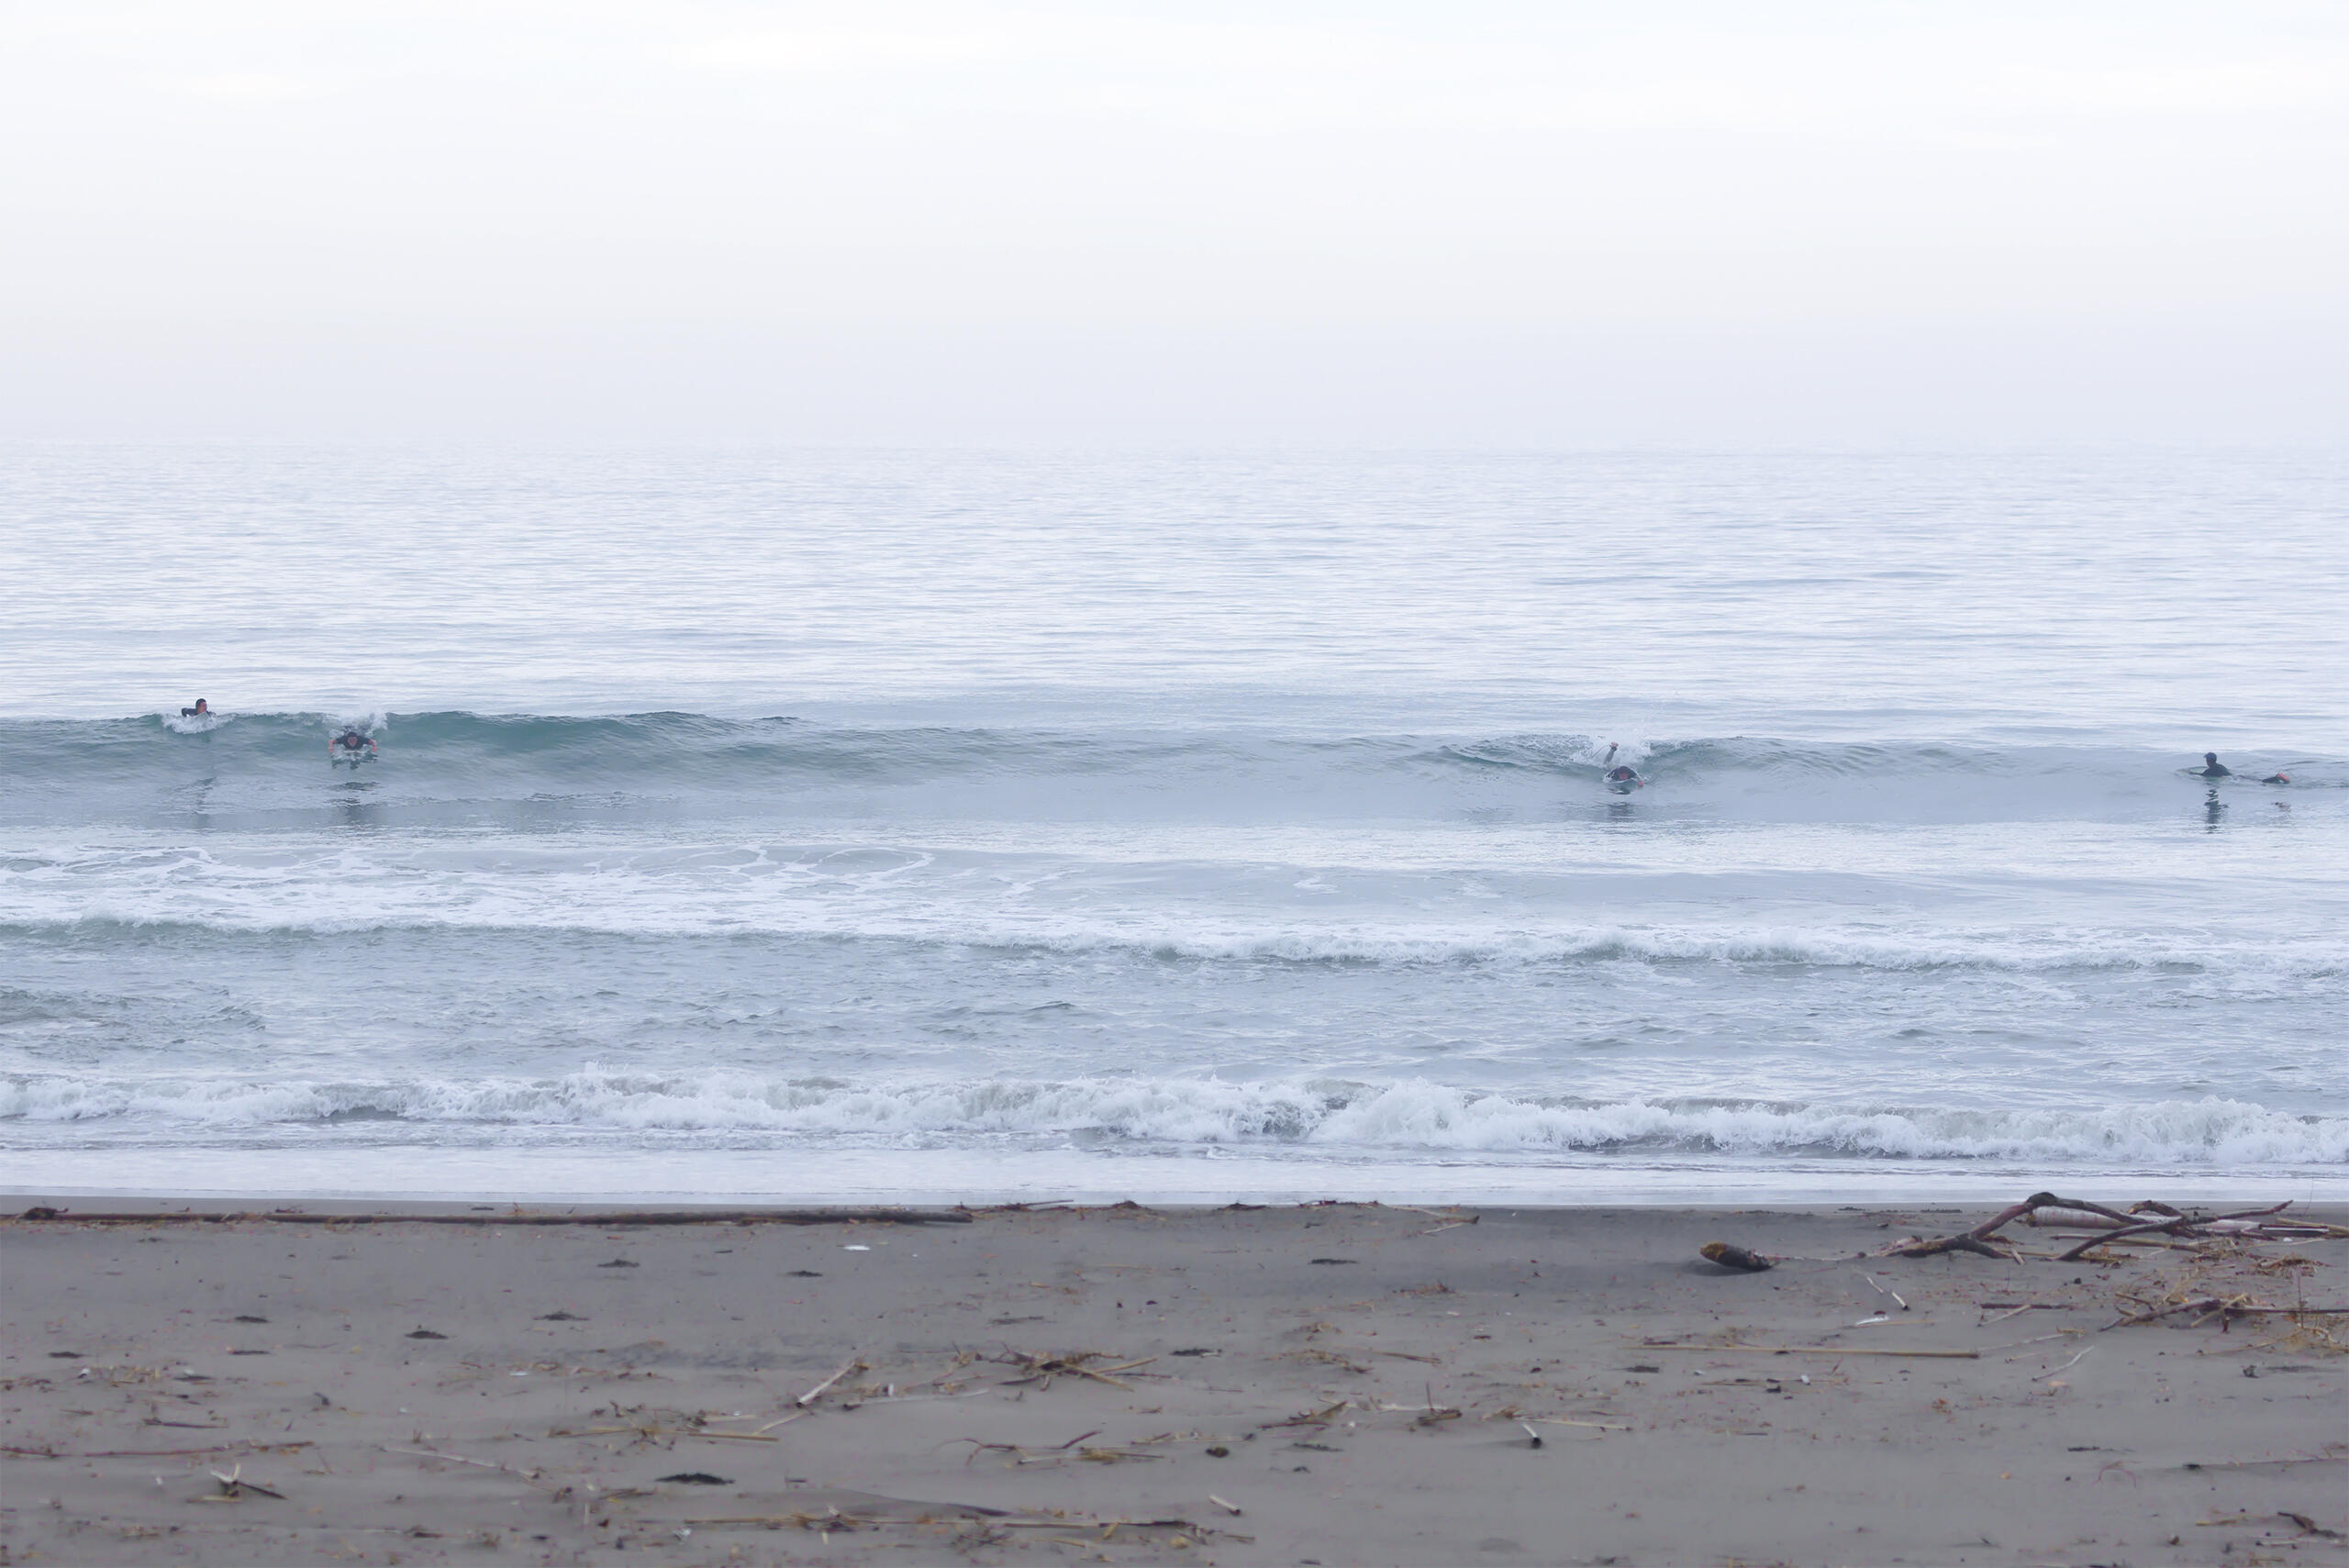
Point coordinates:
pixel 583 754
pixel 2006 951
pixel 1326 1115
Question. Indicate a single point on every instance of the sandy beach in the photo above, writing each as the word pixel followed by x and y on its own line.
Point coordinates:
pixel 1332 1384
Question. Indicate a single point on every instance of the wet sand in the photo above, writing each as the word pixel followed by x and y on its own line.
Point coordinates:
pixel 1334 1384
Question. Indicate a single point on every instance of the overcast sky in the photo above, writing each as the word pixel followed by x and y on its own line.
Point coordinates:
pixel 1517 225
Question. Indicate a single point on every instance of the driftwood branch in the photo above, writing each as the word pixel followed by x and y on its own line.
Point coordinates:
pixel 2182 1223
pixel 607 1220
pixel 1978 1238
pixel 2121 1226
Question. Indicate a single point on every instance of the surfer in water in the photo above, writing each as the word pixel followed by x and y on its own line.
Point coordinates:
pixel 351 745
pixel 1621 777
pixel 2214 769
pixel 201 711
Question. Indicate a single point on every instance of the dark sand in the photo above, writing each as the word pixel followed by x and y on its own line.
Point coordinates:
pixel 423 1394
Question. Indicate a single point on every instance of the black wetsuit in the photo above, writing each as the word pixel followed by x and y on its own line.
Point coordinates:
pixel 2215 769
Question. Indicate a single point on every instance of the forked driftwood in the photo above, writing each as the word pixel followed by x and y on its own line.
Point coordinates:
pixel 2223 1308
pixel 1977 1239
pixel 2182 1223
pixel 2116 1226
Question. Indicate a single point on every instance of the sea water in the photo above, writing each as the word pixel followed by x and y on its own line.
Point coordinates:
pixel 790 824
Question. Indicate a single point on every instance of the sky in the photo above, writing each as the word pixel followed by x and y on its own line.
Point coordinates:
pixel 1540 224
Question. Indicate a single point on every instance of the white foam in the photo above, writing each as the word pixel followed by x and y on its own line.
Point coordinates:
pixel 1403 1115
pixel 195 724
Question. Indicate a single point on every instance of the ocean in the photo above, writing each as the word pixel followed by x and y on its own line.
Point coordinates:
pixel 869 825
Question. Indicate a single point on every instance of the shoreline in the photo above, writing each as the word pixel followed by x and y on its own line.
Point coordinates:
pixel 783 1177
pixel 1339 1381
pixel 125 1207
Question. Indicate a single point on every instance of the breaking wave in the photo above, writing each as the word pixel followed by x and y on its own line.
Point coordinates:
pixel 142 763
pixel 1323 1113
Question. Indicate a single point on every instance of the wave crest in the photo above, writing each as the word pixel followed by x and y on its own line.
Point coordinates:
pixel 1329 1114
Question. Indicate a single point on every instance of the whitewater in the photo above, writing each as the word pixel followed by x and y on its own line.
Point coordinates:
pixel 775 824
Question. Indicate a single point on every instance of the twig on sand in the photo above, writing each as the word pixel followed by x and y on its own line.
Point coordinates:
pixel 2223 1308
pixel 2307 1526
pixel 652 1431
pixel 2064 1368
pixel 156 1452
pixel 1043 1369
pixel 607 1220
pixel 2012 1307
pixel 233 1486
pixel 1320 1417
pixel 1809 1351
pixel 529 1475
pixel 1018 1455
pixel 854 1364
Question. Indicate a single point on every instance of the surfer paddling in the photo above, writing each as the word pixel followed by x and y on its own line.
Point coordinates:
pixel 2214 769
pixel 351 746
pixel 201 711
pixel 1621 777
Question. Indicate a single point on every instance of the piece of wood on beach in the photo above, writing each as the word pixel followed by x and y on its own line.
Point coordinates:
pixel 2182 1222
pixel 608 1219
pixel 1880 1290
pixel 249 1445
pixel 233 1486
pixel 1020 1455
pixel 1730 1256
pixel 1978 1238
pixel 1320 1417
pixel 529 1475
pixel 1809 1351
pixel 854 1364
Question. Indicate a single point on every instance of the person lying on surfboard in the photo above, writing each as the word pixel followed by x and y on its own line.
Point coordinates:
pixel 2214 769
pixel 201 711
pixel 350 744
pixel 1623 776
